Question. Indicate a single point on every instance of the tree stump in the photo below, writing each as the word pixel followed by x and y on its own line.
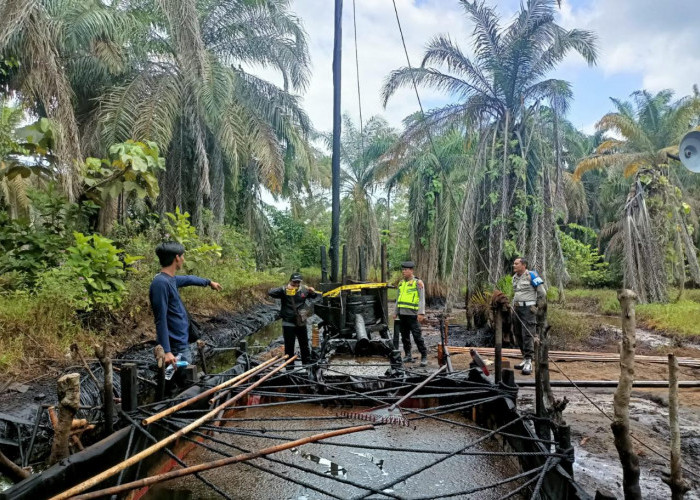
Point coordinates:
pixel 621 422
pixel 68 388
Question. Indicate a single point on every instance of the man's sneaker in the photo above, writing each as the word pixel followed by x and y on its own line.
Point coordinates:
pixel 527 367
pixel 520 365
pixel 424 360
pixel 408 359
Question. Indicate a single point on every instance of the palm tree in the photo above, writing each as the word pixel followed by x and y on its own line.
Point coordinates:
pixel 194 91
pixel 434 198
pixel 649 129
pixel 67 52
pixel 360 177
pixel 499 90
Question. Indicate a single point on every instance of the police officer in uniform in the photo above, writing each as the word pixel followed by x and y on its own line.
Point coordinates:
pixel 410 311
pixel 529 295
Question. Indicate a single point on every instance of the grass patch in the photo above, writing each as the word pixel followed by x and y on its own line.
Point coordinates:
pixel 604 300
pixel 681 318
pixel 567 330
pixel 37 329
pixel 675 318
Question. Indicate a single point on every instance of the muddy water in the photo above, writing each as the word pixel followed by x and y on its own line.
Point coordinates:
pixel 364 465
pixel 257 342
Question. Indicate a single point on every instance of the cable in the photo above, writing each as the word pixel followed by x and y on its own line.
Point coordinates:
pixel 359 95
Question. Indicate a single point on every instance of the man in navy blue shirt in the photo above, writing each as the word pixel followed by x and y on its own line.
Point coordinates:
pixel 172 321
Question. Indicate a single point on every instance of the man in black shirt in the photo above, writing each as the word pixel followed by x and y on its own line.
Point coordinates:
pixel 293 299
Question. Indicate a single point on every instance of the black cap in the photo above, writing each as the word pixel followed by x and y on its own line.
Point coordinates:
pixel 295 277
pixel 409 264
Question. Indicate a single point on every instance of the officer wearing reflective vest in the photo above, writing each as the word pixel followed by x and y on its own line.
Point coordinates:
pixel 529 294
pixel 410 312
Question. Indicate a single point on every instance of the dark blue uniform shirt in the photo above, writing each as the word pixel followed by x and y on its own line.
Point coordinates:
pixel 172 323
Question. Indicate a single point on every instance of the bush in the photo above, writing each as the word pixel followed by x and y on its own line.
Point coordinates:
pixel 584 264
pixel 96 262
pixel 199 251
pixel 28 248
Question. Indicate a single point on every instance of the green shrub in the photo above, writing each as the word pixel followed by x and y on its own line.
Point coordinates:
pixel 28 248
pixel 199 251
pixel 586 267
pixel 95 261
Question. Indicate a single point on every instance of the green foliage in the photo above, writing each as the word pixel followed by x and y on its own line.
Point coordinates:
pixel 95 261
pixel 585 265
pixel 297 244
pixel 130 167
pixel 199 251
pixel 27 248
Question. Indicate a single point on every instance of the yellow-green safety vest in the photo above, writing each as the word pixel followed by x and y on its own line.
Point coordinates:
pixel 408 295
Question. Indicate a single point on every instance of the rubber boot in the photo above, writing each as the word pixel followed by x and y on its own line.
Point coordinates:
pixel 424 360
pixel 527 366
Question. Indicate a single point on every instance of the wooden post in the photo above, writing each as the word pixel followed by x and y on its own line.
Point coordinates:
pixel 344 266
pixel 384 277
pixel 335 155
pixel 541 426
pixel 678 486
pixel 362 263
pixel 68 389
pixel 102 355
pixel 324 265
pixel 200 348
pixel 129 386
pixel 621 422
pixel 160 374
pixel 498 345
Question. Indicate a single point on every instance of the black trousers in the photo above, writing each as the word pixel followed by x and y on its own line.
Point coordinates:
pixel 524 329
pixel 292 333
pixel 409 325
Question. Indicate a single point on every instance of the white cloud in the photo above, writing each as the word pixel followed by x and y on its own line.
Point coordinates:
pixel 380 51
pixel 658 40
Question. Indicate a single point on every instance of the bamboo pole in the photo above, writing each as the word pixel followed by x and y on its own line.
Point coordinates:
pixel 621 422
pixel 219 463
pixel 68 388
pixel 234 381
pixel 675 481
pixel 93 481
pixel 11 469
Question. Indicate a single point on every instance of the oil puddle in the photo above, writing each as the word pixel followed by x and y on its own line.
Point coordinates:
pixel 257 342
pixel 376 461
pixel 332 468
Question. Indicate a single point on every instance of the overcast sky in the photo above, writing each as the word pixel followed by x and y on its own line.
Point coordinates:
pixel 647 44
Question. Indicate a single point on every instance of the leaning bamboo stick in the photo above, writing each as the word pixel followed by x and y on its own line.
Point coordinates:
pixel 219 463
pixel 89 483
pixel 202 395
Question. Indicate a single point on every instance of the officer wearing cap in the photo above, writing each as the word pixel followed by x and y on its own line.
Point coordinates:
pixel 410 311
pixel 293 299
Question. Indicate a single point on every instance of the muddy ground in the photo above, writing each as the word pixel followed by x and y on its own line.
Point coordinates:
pixel 597 464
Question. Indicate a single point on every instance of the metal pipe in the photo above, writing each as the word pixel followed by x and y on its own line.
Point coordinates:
pixel 335 157
pixel 361 332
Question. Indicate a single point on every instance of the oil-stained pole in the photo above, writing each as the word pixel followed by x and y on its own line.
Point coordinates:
pixel 335 158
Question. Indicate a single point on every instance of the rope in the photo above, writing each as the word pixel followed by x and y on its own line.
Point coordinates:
pixel 359 95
